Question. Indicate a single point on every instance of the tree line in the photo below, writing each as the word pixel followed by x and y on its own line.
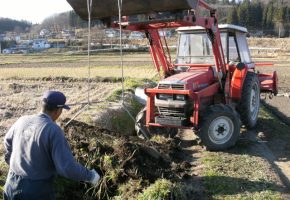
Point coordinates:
pixel 7 25
pixel 66 20
pixel 272 17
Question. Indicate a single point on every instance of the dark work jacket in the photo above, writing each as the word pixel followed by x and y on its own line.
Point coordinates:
pixel 37 149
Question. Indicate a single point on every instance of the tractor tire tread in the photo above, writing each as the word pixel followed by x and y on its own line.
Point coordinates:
pixel 243 107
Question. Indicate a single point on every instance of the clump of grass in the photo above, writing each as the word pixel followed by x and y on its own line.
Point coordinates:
pixel 163 189
pixel 133 83
pixel 3 172
pixel 129 85
pixel 160 139
pixel 129 190
pixel 112 170
pixel 115 96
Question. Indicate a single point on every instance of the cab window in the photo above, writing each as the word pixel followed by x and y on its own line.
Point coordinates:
pixel 243 47
pixel 233 49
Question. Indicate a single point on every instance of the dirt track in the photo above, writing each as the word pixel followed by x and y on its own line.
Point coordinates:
pixel 271 136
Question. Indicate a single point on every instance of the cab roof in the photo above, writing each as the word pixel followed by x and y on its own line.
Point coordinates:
pixel 222 27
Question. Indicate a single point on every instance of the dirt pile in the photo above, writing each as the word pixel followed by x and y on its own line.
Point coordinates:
pixel 127 164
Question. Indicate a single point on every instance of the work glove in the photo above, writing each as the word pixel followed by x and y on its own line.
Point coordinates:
pixel 95 179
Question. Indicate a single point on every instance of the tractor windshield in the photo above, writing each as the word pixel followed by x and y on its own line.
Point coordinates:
pixel 195 48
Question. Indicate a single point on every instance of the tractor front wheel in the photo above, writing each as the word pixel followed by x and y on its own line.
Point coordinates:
pixel 220 127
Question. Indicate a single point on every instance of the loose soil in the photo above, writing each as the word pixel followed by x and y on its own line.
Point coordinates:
pixel 120 160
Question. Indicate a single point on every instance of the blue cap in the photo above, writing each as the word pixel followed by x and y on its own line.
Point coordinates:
pixel 55 98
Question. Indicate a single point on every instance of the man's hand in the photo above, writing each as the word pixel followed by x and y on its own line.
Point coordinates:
pixel 95 179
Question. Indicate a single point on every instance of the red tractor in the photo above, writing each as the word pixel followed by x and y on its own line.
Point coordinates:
pixel 212 86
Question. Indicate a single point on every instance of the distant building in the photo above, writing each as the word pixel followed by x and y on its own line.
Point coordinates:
pixel 136 35
pixel 165 33
pixel 16 49
pixel 59 44
pixel 67 34
pixel 17 38
pixel 2 36
pixel 111 33
pixel 7 51
pixel 39 44
pixel 44 33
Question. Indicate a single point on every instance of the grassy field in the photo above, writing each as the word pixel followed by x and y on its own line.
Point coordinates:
pixel 68 58
pixel 104 65
pixel 238 176
pixel 239 173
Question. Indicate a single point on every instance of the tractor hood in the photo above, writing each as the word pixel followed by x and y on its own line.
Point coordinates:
pixel 192 80
pixel 109 8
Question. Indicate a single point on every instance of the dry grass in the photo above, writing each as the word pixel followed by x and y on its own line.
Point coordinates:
pixel 76 66
pixel 282 43
pixel 67 58
pixel 77 72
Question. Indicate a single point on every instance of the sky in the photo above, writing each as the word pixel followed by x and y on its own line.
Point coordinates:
pixel 34 11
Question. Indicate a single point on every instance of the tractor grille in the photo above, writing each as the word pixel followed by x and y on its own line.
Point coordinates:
pixel 171 86
pixel 171 121
pixel 178 112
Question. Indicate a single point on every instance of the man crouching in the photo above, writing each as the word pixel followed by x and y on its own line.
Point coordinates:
pixel 36 150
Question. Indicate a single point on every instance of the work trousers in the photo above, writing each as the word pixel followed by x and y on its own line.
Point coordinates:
pixel 19 188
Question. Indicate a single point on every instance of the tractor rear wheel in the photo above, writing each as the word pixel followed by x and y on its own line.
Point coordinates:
pixel 220 127
pixel 140 126
pixel 249 105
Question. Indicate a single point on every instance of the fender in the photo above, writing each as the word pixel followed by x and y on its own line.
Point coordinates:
pixel 237 81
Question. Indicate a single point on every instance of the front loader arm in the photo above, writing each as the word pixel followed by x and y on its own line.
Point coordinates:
pixel 159 57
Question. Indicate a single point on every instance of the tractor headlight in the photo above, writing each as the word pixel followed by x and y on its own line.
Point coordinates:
pixel 164 96
pixel 180 97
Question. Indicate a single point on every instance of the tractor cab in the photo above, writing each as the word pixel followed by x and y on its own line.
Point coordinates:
pixel 194 45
